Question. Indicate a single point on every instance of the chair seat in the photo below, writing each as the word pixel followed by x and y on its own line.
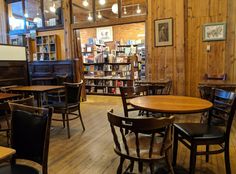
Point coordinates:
pixel 144 145
pixel 18 169
pixel 198 131
pixel 61 107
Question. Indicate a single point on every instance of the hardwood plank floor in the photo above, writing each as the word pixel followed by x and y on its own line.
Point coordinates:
pixel 91 152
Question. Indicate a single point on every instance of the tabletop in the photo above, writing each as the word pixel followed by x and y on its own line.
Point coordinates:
pixel 36 88
pixel 6 152
pixel 171 104
pixel 7 96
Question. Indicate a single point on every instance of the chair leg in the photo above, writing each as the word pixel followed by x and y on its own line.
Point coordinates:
pixel 168 161
pixel 68 124
pixel 227 159
pixel 140 166
pixel 207 155
pixel 151 168
pixel 131 166
pixel 192 159
pixel 175 148
pixel 81 120
pixel 63 120
pixel 119 170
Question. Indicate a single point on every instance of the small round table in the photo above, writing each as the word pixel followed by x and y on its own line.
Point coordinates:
pixel 171 104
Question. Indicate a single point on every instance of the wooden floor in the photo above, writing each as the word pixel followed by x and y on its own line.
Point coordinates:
pixel 91 152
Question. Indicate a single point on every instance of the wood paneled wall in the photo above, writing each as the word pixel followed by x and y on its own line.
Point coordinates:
pixel 167 62
pixel 188 60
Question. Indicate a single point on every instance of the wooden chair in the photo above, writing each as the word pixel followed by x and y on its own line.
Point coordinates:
pixel 211 133
pixel 58 95
pixel 130 92
pixel 71 104
pixel 137 146
pixel 215 77
pixel 30 131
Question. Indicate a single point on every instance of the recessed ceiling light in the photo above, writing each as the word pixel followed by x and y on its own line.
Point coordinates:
pixel 102 2
pixel 85 3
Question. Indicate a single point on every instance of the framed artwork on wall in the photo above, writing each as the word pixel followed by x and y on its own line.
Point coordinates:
pixel 163 32
pixel 214 31
pixel 105 34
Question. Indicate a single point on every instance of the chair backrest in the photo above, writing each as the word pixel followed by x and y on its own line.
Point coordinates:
pixel 129 92
pixel 60 79
pixel 224 106
pixel 73 92
pixel 138 126
pixel 30 131
pixel 205 92
pixel 156 89
pixel 215 77
pixel 29 101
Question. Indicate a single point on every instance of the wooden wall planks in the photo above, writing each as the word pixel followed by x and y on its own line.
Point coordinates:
pixel 188 60
pixel 167 62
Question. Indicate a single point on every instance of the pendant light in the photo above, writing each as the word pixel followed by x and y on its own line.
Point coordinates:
pixel 138 9
pixel 85 3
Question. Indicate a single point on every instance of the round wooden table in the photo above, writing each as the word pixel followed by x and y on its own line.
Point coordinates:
pixel 171 104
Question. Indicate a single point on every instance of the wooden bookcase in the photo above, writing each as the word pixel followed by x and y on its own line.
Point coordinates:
pixel 46 48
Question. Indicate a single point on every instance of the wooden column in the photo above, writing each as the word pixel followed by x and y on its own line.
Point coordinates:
pixel 3 22
pixel 230 65
pixel 67 29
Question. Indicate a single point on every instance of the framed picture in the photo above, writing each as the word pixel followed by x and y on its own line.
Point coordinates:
pixel 105 34
pixel 163 32
pixel 214 31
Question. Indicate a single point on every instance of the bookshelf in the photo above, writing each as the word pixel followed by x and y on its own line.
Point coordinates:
pixel 106 77
pixel 46 48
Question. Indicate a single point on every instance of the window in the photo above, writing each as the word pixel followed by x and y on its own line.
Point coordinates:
pixel 82 11
pixel 53 13
pixel 133 8
pixel 106 10
pixel 16 16
pixel 33 14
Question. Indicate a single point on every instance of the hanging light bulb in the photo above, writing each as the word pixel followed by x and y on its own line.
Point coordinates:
pixel 102 2
pixel 138 9
pixel 125 12
pixel 85 3
pixel 90 18
pixel 26 15
pixel 99 15
pixel 52 8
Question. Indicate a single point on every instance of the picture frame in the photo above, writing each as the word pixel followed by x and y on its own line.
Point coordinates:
pixel 163 32
pixel 105 34
pixel 214 31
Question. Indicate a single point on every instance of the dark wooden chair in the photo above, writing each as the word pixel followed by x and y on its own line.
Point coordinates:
pixel 211 133
pixel 130 92
pixel 58 95
pixel 70 105
pixel 137 146
pixel 215 77
pixel 30 131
